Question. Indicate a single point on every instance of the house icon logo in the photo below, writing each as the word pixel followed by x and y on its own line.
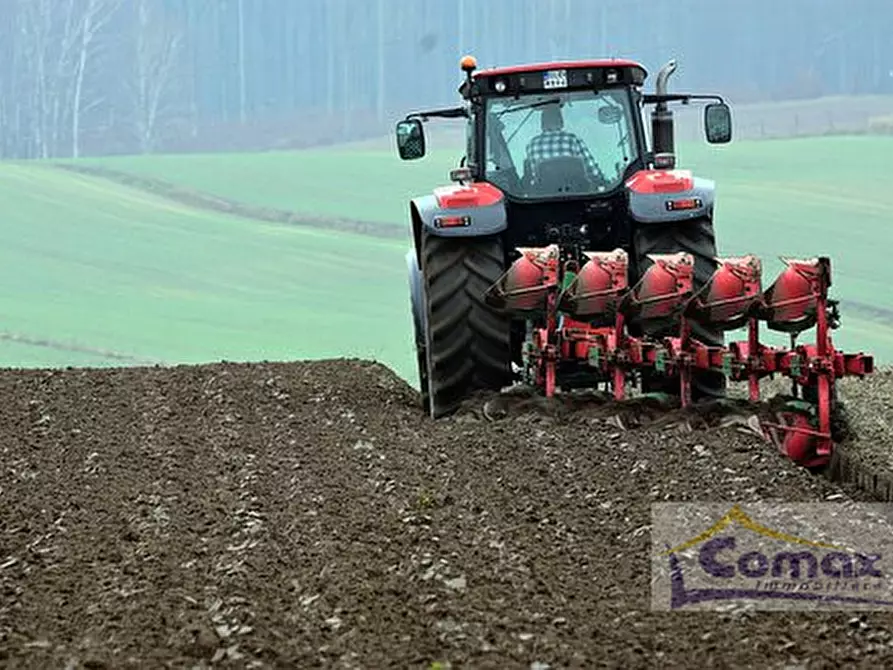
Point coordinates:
pixel 740 559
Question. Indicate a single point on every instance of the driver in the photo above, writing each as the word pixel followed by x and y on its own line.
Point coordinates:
pixel 555 142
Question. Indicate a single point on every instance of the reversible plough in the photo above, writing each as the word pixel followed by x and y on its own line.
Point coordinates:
pixel 582 306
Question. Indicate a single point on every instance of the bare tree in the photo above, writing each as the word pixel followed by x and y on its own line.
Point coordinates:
pixel 57 41
pixel 94 17
pixel 36 33
pixel 381 66
pixel 158 42
pixel 241 33
pixel 13 90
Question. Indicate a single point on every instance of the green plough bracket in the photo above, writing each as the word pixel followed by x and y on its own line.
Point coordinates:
pixel 595 357
pixel 569 277
pixel 727 365
pixel 660 397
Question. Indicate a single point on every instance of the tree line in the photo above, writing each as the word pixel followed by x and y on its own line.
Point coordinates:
pixel 81 77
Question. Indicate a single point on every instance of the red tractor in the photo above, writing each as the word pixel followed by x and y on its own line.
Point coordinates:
pixel 572 254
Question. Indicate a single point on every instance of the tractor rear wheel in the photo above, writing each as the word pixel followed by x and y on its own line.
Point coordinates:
pixel 467 342
pixel 697 238
pixel 421 348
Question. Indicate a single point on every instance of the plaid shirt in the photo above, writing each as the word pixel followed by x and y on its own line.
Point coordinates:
pixel 558 144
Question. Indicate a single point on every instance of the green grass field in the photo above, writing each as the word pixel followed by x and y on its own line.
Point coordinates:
pixel 85 262
pixel 108 267
pixel 366 185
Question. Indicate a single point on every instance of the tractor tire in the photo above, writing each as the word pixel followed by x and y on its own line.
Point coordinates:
pixel 467 342
pixel 424 387
pixel 416 302
pixel 697 238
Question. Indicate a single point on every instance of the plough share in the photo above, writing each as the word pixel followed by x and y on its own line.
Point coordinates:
pixel 579 307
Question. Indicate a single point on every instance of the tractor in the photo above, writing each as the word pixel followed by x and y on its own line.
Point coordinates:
pixel 570 254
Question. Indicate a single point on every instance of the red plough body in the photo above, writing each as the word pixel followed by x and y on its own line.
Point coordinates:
pixel 581 315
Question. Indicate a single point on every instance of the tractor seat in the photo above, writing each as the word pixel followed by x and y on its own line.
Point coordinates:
pixel 565 174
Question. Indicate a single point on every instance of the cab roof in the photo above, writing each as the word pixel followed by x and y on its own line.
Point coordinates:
pixel 560 65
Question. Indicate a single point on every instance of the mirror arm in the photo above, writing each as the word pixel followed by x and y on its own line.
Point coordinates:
pixel 654 99
pixel 451 113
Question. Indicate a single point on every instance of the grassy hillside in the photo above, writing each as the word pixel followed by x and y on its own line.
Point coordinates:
pixel 367 185
pixel 102 269
pixel 782 197
pixel 811 196
pixel 96 273
pixel 775 197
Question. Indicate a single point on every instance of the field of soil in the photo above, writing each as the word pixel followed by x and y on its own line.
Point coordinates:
pixel 308 515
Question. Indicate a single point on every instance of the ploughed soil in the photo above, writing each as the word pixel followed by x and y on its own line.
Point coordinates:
pixel 309 515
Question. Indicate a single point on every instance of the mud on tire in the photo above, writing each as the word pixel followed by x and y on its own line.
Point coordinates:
pixel 697 238
pixel 467 342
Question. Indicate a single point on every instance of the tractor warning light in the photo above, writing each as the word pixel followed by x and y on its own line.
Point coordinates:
pixel 468 63
pixel 452 221
pixel 683 203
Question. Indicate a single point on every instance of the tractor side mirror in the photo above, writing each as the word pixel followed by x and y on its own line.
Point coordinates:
pixel 410 139
pixel 718 123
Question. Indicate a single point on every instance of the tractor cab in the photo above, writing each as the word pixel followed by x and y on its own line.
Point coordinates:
pixel 558 144
pixel 554 131
pixel 569 130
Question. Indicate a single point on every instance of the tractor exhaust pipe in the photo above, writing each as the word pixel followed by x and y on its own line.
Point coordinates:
pixel 662 139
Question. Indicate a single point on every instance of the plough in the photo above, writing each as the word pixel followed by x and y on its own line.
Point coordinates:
pixel 583 310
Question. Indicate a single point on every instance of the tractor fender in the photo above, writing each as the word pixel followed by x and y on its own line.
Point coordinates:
pixel 669 196
pixel 416 293
pixel 469 210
